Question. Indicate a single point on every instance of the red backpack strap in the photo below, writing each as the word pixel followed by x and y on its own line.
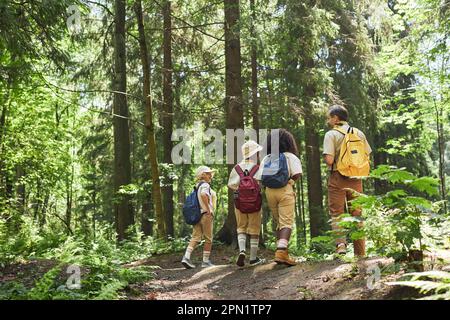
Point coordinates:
pixel 254 170
pixel 239 171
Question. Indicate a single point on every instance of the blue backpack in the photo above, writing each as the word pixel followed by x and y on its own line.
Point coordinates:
pixel 275 173
pixel 192 211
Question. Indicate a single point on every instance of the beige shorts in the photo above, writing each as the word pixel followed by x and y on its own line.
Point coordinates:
pixel 249 223
pixel 282 205
pixel 203 229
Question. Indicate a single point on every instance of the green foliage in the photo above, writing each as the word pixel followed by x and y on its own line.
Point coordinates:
pixel 395 220
pixel 323 244
pixel 12 290
pixel 104 274
pixel 29 241
pixel 435 284
pixel 388 62
pixel 43 287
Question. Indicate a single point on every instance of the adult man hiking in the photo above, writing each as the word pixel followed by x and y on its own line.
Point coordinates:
pixel 346 152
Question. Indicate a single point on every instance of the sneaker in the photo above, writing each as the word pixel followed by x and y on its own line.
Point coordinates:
pixel 341 248
pixel 207 264
pixel 241 259
pixel 257 261
pixel 187 263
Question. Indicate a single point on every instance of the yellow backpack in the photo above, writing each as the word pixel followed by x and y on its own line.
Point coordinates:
pixel 353 159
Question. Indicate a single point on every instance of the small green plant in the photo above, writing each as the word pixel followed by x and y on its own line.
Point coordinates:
pixel 13 290
pixel 45 286
pixel 395 220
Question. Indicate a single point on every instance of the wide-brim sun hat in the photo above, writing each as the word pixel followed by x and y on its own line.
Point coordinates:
pixel 203 169
pixel 250 148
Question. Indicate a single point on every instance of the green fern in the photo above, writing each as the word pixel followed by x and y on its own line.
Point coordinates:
pixel 110 290
pixel 434 283
pixel 44 287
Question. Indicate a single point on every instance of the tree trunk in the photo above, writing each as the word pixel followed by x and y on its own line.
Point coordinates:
pixel 298 220
pixel 269 87
pixel 37 203
pixel 379 157
pixel 147 216
pixel 122 167
pixel 69 198
pixel 254 78
pixel 441 149
pixel 233 102
pixel 6 102
pixel 20 193
pixel 8 188
pixel 269 93
pixel 156 191
pixel 168 117
pixel 254 63
pixel 2 125
pixel 94 205
pixel 184 231
pixel 43 215
pixel 317 218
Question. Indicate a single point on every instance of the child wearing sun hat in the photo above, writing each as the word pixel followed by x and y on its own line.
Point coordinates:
pixel 247 202
pixel 204 228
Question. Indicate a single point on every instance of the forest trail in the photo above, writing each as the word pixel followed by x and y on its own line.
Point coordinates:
pixel 308 280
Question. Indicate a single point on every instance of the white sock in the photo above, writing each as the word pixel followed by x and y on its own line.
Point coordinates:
pixel 188 252
pixel 282 244
pixel 242 239
pixel 253 248
pixel 206 256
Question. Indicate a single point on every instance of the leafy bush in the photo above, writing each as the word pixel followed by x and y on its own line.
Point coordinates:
pixel 395 220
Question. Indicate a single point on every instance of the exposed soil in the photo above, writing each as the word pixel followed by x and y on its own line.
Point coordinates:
pixel 308 280
pixel 322 280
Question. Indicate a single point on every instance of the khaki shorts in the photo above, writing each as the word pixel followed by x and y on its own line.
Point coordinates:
pixel 249 223
pixel 282 205
pixel 204 228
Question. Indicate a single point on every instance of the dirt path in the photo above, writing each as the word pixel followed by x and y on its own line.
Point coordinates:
pixel 308 280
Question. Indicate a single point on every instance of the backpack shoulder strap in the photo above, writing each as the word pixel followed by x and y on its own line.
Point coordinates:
pixel 340 130
pixel 254 170
pixel 198 185
pixel 287 163
pixel 239 171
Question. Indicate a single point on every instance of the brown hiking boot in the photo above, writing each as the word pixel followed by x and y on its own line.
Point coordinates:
pixel 282 257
